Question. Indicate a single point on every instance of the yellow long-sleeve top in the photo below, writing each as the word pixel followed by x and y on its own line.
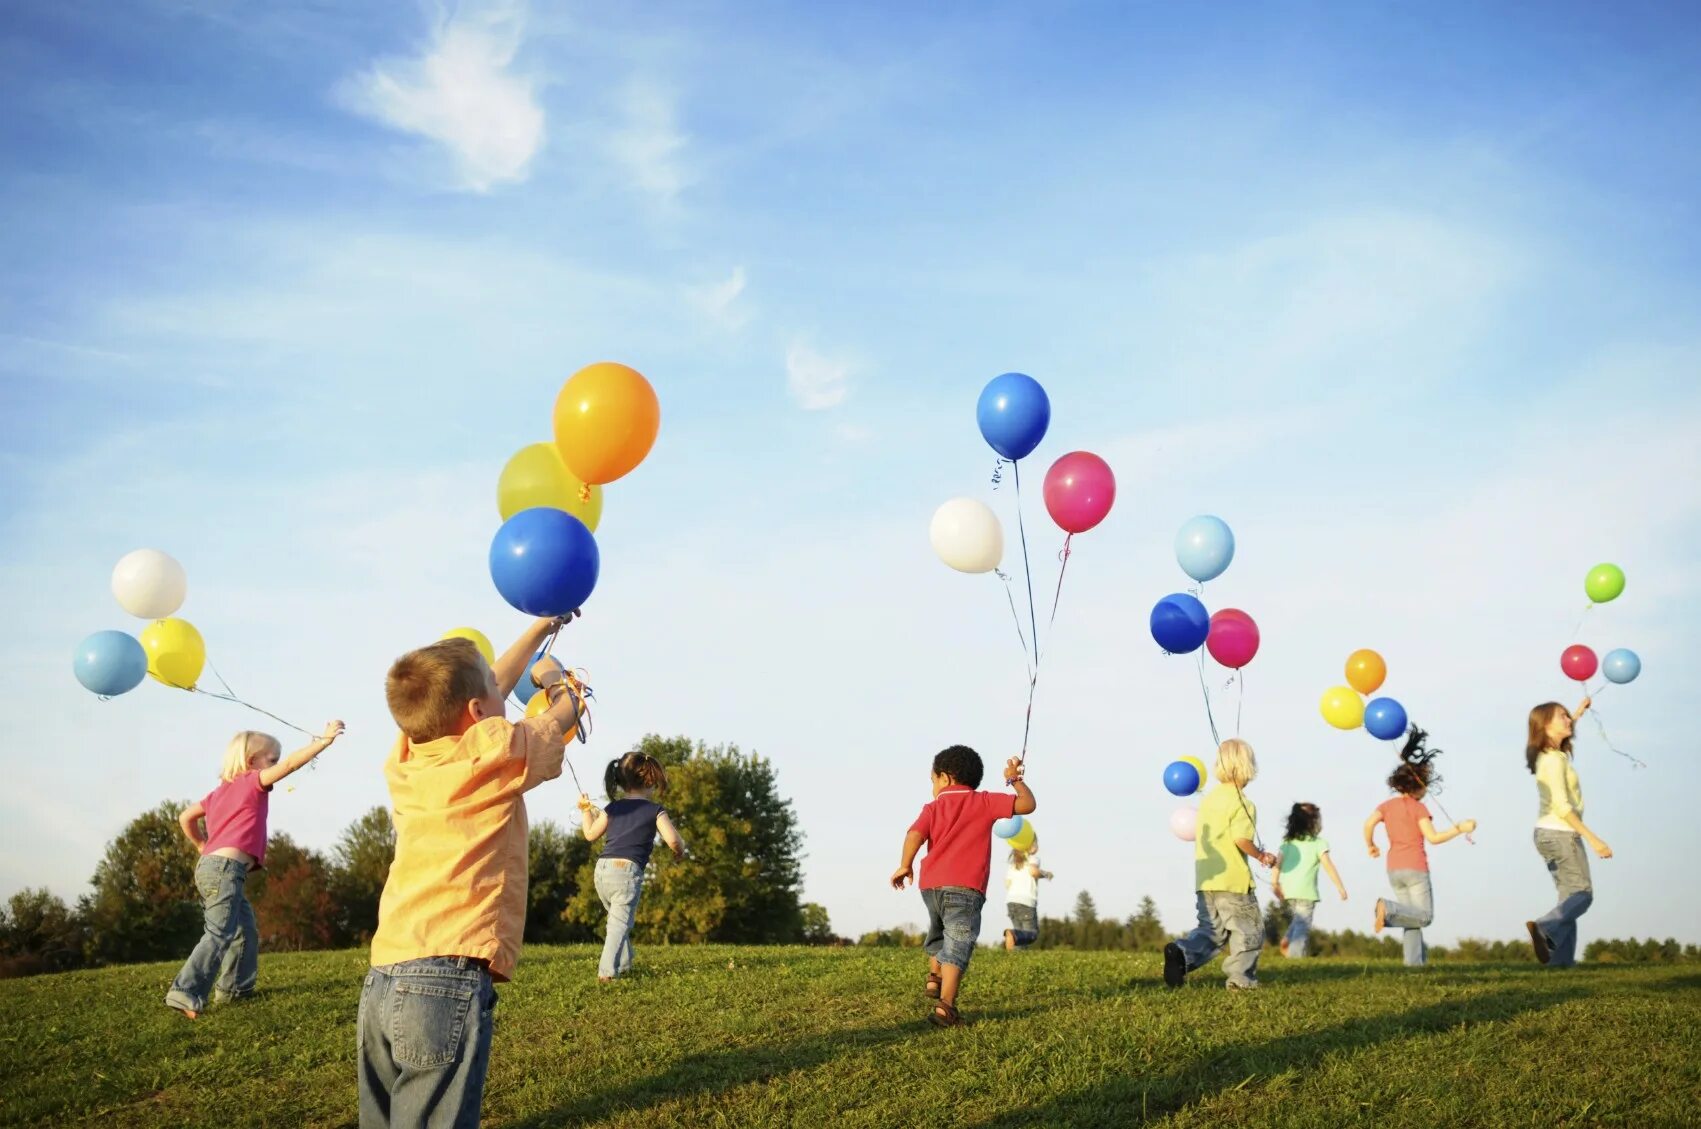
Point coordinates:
pixel 1561 795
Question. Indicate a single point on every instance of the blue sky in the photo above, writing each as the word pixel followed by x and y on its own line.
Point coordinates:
pixel 1410 299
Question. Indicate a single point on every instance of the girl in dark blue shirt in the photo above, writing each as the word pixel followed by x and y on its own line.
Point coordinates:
pixel 628 827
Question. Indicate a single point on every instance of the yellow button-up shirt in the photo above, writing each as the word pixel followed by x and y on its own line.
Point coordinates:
pixel 1561 794
pixel 457 886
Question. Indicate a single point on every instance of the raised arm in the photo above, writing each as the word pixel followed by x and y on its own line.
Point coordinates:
pixel 1025 803
pixel 1433 836
pixel 512 663
pixel 593 821
pixel 190 822
pixel 1582 708
pixel 302 756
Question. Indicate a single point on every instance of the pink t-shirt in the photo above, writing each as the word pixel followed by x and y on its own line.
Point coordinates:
pixel 1405 838
pixel 236 816
pixel 958 828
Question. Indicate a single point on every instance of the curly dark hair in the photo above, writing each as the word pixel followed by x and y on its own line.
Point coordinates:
pixel 961 764
pixel 1416 772
pixel 1304 821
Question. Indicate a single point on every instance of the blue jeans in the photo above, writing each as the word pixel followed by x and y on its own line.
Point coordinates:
pixel 618 883
pixel 1299 929
pixel 1024 924
pixel 953 923
pixel 424 1043
pixel 1411 908
pixel 1231 921
pixel 1569 865
pixel 229 949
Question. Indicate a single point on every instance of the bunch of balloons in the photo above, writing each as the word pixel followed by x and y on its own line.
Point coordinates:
pixel 1184 777
pixel 150 585
pixel 1204 548
pixel 544 559
pixel 1604 583
pixel 1017 832
pixel 1345 707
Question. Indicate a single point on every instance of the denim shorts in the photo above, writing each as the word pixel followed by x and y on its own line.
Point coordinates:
pixel 953 923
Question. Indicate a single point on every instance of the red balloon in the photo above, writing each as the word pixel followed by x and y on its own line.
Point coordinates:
pixel 1079 490
pixel 1233 640
pixel 1579 663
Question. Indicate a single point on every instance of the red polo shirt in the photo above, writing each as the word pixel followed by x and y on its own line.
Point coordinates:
pixel 957 826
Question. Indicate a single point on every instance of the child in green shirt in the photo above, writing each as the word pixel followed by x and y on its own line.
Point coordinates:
pixel 1303 851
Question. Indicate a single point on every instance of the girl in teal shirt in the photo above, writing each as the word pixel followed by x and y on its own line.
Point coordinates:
pixel 1303 851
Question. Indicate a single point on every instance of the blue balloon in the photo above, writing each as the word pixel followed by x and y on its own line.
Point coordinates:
pixel 110 663
pixel 1008 828
pixel 1180 623
pixel 1385 718
pixel 544 561
pixel 1204 547
pixel 1181 778
pixel 1013 412
pixel 1621 666
pixel 525 688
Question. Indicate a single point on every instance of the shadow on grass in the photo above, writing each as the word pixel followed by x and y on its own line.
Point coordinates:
pixel 1127 1101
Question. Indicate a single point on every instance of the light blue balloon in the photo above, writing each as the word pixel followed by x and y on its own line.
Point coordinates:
pixel 1205 547
pixel 1008 828
pixel 1621 666
pixel 110 663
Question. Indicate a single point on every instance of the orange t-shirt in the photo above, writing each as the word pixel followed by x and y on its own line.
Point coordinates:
pixel 1405 838
pixel 457 886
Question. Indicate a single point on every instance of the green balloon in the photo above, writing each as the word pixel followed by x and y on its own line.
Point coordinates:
pixel 1604 582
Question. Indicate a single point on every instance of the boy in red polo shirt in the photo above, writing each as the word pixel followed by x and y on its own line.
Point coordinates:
pixel 957 828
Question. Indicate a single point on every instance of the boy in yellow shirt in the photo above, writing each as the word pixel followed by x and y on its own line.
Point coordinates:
pixel 454 906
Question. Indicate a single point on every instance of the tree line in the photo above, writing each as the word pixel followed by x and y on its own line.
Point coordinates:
pixel 741 883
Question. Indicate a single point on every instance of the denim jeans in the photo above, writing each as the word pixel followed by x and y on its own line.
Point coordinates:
pixel 1563 853
pixel 229 948
pixel 1230 920
pixel 1299 928
pixel 424 1043
pixel 953 923
pixel 1024 923
pixel 618 883
pixel 1411 908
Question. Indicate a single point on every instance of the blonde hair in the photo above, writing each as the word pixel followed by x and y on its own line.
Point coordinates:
pixel 1236 763
pixel 244 749
pixel 1018 859
pixel 428 690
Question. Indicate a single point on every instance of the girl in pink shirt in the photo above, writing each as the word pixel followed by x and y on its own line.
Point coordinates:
pixel 232 843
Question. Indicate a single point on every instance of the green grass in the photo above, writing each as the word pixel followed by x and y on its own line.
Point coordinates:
pixel 715 1035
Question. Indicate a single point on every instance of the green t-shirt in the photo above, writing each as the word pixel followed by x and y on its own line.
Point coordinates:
pixel 1224 816
pixel 1300 860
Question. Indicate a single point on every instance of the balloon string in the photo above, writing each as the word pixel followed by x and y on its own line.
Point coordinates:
pixel 1016 617
pixel 1027 569
pixel 1206 694
pixel 997 473
pixel 1577 630
pixel 229 695
pixel 1445 814
pixel 1240 698
pixel 1635 763
pixel 1033 678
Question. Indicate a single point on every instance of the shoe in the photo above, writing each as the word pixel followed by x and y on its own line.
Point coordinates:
pixel 1175 965
pixel 1538 941
pixel 1252 987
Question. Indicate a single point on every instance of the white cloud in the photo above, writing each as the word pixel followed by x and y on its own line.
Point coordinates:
pixel 815 381
pixel 460 93
pixel 719 300
pixel 648 143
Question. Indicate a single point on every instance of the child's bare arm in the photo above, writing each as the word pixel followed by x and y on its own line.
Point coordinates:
pixel 1370 833
pixel 592 821
pixel 302 756
pixel 1025 803
pixel 190 822
pixel 512 663
pixel 670 835
pixel 1432 836
pixel 1251 851
pixel 1334 875
pixel 905 871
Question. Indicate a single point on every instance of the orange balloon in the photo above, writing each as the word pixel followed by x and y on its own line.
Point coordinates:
pixel 1366 671
pixel 606 419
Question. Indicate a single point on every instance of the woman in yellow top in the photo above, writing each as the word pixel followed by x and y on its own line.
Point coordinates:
pixel 1560 833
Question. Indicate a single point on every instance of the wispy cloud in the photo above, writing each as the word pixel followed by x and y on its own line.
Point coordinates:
pixel 648 144
pixel 816 381
pixel 459 91
pixel 719 301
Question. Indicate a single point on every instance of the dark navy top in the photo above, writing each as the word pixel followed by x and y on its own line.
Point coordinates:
pixel 631 830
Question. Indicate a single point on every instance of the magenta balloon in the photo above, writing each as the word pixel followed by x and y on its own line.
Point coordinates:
pixel 1233 640
pixel 1079 491
pixel 1579 662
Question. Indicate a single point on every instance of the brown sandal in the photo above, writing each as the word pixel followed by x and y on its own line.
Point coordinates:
pixel 933 985
pixel 944 1015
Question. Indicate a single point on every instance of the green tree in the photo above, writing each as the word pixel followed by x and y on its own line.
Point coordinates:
pixel 1086 913
pixel 1146 928
pixel 360 864
pixel 555 859
pixel 39 933
pixel 740 883
pixel 1277 918
pixel 817 929
pixel 293 906
pixel 144 905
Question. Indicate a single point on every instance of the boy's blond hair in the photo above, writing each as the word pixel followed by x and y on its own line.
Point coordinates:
pixel 244 749
pixel 428 689
pixel 1236 763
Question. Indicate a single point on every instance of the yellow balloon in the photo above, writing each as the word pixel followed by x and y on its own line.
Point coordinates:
pixel 479 640
pixel 176 653
pixel 1343 708
pixel 1200 765
pixel 536 476
pixel 540 703
pixel 1023 840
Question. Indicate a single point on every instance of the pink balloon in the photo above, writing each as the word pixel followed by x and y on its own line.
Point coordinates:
pixel 1184 823
pixel 1233 640
pixel 1079 490
pixel 1579 662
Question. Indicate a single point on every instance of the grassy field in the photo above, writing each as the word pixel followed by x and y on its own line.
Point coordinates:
pixel 744 1036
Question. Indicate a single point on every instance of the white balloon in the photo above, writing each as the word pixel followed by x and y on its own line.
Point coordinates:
pixel 1184 823
pixel 966 535
pixel 149 584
